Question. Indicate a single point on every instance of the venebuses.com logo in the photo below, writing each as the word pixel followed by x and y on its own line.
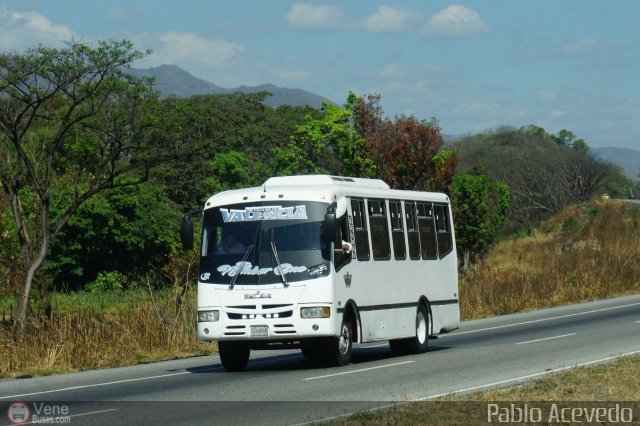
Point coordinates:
pixel 38 412
pixel 18 413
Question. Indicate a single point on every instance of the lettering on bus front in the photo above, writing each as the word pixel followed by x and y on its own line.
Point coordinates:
pixel 259 213
pixel 246 268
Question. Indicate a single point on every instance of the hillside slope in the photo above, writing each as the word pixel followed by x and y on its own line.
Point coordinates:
pixel 585 252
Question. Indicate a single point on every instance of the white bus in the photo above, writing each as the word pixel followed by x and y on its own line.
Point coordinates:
pixel 273 273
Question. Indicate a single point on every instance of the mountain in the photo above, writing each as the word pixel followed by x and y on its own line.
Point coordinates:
pixel 171 80
pixel 627 158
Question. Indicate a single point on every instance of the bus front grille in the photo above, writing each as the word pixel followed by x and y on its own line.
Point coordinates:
pixel 284 329
pixel 275 315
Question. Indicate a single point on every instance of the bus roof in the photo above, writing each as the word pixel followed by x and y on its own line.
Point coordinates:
pixel 315 180
pixel 323 188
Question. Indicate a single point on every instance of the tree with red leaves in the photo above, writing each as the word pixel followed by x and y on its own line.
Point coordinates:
pixel 408 153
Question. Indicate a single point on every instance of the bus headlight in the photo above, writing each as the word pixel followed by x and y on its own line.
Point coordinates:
pixel 315 312
pixel 208 316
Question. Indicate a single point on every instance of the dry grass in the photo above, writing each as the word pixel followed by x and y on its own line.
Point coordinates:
pixel 587 252
pixel 581 387
pixel 88 332
pixel 608 382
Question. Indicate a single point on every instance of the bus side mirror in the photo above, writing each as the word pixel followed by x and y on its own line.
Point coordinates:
pixel 329 228
pixel 186 233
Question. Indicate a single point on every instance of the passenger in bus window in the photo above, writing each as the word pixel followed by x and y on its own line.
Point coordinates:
pixel 346 245
pixel 230 244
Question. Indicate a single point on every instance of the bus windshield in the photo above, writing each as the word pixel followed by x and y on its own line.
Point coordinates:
pixel 263 243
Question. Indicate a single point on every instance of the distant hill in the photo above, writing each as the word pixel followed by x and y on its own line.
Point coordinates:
pixel 171 80
pixel 628 159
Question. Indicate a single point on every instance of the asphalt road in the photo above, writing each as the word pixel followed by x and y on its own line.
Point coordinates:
pixel 279 387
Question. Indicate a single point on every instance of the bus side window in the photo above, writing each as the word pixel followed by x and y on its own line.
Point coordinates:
pixel 360 227
pixel 397 230
pixel 342 234
pixel 412 230
pixel 445 243
pixel 381 246
pixel 427 229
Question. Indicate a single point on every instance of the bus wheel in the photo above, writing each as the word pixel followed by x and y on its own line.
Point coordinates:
pixel 234 355
pixel 418 343
pixel 422 330
pixel 339 348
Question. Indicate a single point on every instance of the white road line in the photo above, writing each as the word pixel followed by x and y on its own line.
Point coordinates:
pixel 637 322
pixel 530 376
pixel 546 338
pixel 90 413
pixel 358 371
pixel 116 382
pixel 454 334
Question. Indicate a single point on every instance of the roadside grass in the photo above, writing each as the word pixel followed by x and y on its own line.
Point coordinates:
pixel 102 330
pixel 615 381
pixel 587 252
pixel 606 383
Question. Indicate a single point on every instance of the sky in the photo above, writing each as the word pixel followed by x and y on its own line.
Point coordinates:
pixel 473 65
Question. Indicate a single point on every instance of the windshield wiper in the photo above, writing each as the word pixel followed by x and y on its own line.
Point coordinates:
pixel 244 259
pixel 246 256
pixel 275 255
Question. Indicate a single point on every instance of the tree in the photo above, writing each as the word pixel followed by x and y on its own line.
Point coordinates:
pixel 407 152
pixel 445 168
pixel 544 172
pixel 127 230
pixel 231 170
pixel 328 144
pixel 68 116
pixel 8 248
pixel 568 139
pixel 480 207
pixel 218 125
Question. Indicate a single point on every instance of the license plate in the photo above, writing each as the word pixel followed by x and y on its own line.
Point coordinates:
pixel 259 330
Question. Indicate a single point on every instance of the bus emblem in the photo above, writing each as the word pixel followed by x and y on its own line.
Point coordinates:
pixel 257 295
pixel 347 279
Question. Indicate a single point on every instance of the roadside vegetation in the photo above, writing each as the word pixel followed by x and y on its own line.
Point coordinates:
pixel 99 330
pixel 96 170
pixel 605 383
pixel 586 252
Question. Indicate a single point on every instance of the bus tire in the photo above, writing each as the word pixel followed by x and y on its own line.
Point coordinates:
pixel 339 348
pixel 234 355
pixel 417 344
